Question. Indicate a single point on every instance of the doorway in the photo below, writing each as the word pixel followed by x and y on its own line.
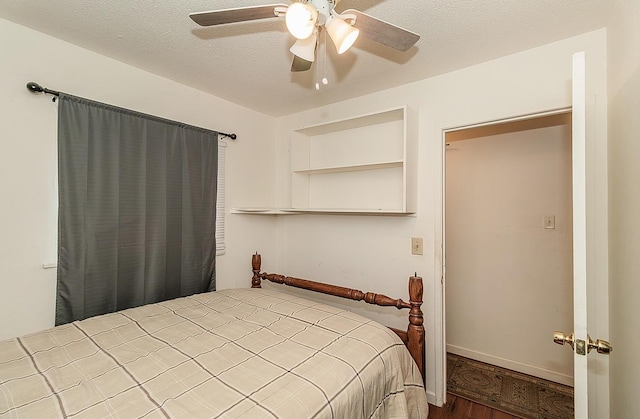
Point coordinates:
pixel 508 243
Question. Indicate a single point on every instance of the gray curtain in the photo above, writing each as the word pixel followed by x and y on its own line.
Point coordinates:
pixel 137 204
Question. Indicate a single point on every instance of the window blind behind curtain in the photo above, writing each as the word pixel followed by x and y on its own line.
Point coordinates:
pixel 220 199
pixel 137 205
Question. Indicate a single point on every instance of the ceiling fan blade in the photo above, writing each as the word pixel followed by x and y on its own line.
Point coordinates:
pixel 383 32
pixel 300 64
pixel 240 14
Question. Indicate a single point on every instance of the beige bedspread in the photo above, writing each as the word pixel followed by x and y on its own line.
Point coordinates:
pixel 248 353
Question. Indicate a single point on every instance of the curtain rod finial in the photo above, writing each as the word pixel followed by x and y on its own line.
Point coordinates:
pixel 232 136
pixel 34 87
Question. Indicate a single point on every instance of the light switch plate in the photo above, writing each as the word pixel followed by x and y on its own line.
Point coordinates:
pixel 416 246
pixel 550 221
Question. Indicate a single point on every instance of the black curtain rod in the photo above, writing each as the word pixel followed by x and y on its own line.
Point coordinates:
pixel 34 87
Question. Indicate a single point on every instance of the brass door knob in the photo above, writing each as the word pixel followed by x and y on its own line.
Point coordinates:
pixel 601 346
pixel 560 338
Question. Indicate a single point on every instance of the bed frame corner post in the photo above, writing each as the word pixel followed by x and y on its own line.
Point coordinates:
pixel 256 261
pixel 415 331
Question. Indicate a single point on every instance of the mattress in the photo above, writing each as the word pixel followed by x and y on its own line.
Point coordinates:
pixel 241 353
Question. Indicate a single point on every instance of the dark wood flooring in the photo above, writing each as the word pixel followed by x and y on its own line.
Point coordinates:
pixel 459 408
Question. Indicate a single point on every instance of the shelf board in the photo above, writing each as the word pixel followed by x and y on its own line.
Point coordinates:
pixel 319 211
pixel 346 211
pixel 395 114
pixel 350 168
pixel 261 211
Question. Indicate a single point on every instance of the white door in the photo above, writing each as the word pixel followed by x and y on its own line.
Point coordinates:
pixel 578 145
pixel 579 339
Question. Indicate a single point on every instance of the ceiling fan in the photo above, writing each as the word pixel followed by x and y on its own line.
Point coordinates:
pixel 306 18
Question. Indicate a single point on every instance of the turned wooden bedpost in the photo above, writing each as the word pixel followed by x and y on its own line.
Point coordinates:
pixel 256 261
pixel 415 331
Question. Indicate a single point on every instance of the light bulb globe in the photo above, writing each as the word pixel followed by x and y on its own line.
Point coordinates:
pixel 301 20
pixel 342 34
pixel 305 48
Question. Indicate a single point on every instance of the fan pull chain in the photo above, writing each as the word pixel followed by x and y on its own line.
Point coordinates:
pixel 324 64
pixel 322 44
pixel 317 69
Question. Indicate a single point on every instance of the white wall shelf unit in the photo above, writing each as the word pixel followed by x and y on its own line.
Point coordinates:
pixel 361 165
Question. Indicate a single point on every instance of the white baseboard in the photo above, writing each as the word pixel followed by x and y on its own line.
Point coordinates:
pixel 556 377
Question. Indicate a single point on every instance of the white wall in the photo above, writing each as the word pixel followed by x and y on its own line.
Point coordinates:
pixel 623 48
pixel 28 212
pixel 509 279
pixel 373 253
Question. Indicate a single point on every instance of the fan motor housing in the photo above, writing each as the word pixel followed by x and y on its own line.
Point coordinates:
pixel 324 8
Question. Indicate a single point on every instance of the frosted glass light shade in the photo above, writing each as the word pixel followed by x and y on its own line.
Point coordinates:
pixel 342 34
pixel 301 19
pixel 305 48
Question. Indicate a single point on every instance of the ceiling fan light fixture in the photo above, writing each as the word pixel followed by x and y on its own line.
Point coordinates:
pixel 305 48
pixel 301 20
pixel 342 34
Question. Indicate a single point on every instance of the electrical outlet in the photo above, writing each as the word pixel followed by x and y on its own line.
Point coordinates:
pixel 416 246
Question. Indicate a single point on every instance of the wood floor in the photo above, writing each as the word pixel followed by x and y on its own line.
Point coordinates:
pixel 459 408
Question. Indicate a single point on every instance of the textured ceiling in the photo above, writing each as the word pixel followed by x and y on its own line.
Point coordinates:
pixel 248 63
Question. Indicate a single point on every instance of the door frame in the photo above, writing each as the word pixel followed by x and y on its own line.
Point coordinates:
pixel 441 350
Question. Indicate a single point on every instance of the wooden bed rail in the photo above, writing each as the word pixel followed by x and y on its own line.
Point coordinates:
pixel 413 337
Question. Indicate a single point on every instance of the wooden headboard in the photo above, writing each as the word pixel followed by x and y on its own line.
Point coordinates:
pixel 413 337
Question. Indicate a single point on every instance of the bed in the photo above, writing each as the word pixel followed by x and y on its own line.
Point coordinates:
pixel 249 353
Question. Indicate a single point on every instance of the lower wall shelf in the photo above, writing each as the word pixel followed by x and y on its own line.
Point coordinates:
pixel 260 211
pixel 320 211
